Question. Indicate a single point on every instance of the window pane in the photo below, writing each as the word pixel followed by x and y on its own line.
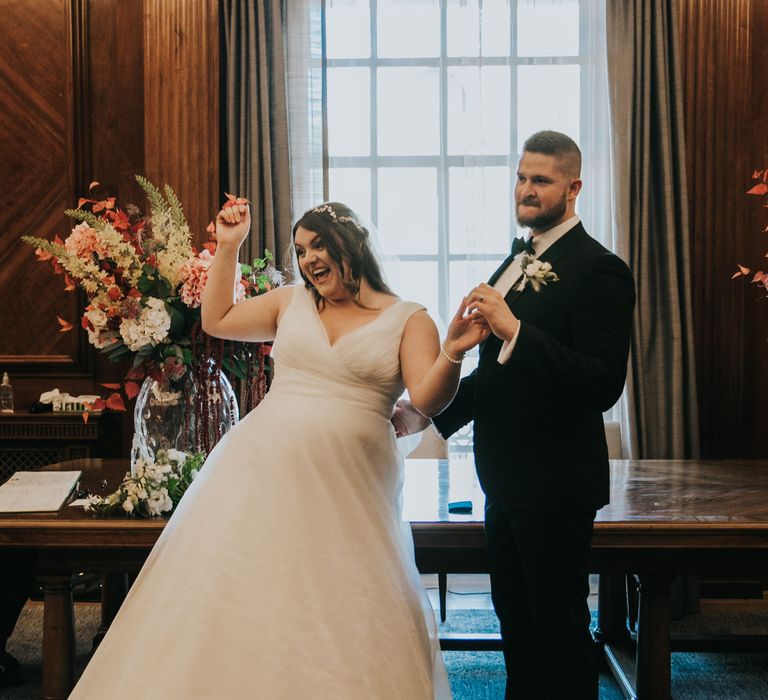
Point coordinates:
pixel 478 214
pixel 548 28
pixel 408 28
pixel 349 112
pixel 468 28
pixel 408 111
pixel 348 31
pixel 408 211
pixel 478 110
pixel 547 98
pixel 414 281
pixel 466 274
pixel 353 187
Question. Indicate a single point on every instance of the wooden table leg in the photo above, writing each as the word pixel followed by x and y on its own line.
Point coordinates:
pixel 58 636
pixel 653 662
pixel 442 588
pixel 611 609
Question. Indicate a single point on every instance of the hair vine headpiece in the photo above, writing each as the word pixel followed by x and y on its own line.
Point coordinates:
pixel 327 208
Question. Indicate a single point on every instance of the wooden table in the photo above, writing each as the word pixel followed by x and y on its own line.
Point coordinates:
pixel 665 518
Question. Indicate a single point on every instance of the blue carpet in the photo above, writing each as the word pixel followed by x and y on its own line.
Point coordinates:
pixel 699 676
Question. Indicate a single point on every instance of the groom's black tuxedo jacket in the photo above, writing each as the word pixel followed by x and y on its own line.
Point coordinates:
pixel 539 439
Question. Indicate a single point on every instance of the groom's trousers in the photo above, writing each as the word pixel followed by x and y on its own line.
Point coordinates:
pixel 539 585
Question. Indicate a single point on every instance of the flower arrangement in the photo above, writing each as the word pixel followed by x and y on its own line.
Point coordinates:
pixel 153 489
pixel 535 273
pixel 760 189
pixel 144 280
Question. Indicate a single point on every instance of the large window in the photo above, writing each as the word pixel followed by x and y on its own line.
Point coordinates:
pixel 429 102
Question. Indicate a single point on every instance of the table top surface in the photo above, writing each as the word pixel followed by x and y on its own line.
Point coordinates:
pixel 725 496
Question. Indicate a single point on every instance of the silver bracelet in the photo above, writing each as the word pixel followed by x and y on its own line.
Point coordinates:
pixel 450 358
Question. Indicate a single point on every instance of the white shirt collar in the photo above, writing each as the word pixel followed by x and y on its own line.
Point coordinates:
pixel 542 241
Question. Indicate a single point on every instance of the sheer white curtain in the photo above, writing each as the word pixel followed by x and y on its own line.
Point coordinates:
pixel 428 103
pixel 305 88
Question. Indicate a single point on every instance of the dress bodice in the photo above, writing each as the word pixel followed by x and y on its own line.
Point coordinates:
pixel 362 368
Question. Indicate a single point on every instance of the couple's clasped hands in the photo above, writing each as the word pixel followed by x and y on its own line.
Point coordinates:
pixel 482 312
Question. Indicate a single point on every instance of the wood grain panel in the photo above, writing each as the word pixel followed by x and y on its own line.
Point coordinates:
pixel 718 44
pixel 36 185
pixel 181 114
pixel 116 100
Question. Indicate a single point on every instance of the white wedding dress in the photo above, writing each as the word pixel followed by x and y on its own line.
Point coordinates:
pixel 286 572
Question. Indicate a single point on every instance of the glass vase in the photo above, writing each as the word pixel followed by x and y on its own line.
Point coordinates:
pixel 189 415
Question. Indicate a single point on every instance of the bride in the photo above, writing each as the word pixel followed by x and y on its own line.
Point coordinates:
pixel 286 572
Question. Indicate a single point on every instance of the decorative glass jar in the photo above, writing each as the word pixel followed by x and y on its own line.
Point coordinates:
pixel 190 414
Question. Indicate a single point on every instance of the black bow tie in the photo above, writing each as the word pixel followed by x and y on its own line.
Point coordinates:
pixel 519 245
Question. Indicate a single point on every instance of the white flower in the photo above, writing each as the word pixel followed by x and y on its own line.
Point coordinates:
pixel 149 328
pixel 159 501
pixel 176 456
pixel 128 505
pixel 535 272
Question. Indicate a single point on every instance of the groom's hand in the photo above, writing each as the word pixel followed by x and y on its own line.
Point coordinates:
pixel 407 420
pixel 490 305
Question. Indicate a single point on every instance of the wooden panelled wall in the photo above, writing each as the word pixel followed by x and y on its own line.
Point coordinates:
pixel 724 57
pixel 94 90
pixel 104 89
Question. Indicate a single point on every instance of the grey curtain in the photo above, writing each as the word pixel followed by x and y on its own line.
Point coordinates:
pixel 651 219
pixel 255 133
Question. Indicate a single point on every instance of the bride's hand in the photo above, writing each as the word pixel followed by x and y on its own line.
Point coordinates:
pixel 465 331
pixel 233 223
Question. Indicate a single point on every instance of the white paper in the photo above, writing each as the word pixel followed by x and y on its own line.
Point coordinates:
pixel 38 491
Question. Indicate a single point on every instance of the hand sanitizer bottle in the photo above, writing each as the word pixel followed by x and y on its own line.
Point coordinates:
pixel 6 395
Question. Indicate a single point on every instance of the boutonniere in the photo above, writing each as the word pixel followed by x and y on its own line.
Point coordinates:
pixel 535 273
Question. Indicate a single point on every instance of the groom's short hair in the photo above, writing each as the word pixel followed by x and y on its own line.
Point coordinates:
pixel 562 147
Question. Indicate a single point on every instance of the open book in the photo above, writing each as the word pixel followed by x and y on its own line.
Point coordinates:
pixel 38 491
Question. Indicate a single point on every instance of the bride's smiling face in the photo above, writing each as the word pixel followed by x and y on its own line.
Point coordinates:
pixel 317 265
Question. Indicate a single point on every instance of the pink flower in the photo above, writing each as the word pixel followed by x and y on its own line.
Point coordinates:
pixel 83 241
pixel 195 275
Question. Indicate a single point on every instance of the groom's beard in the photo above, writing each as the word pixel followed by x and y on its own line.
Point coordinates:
pixel 544 219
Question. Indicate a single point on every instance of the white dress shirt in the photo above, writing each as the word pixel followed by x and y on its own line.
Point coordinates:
pixel 512 274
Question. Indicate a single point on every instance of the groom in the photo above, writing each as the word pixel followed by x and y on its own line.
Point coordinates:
pixel 556 359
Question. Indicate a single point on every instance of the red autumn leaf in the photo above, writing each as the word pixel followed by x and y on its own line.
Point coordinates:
pixel 757 174
pixel 43 254
pixel 211 228
pixel 114 293
pixel 760 276
pixel 65 325
pixel 115 402
pixel 98 405
pixel 70 284
pixel 762 188
pixel 114 387
pixel 210 246
pixel 85 416
pixel 82 201
pixel 57 240
pixel 742 271
pixel 131 389
pixel 135 293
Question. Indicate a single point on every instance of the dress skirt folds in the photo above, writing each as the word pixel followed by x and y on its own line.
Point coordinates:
pixel 286 572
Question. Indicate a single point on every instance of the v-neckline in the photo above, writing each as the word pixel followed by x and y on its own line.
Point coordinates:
pixel 354 330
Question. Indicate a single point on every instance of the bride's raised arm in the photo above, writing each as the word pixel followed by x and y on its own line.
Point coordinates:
pixel 430 372
pixel 253 320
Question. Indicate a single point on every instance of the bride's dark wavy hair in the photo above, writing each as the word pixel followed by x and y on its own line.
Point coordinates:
pixel 348 243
